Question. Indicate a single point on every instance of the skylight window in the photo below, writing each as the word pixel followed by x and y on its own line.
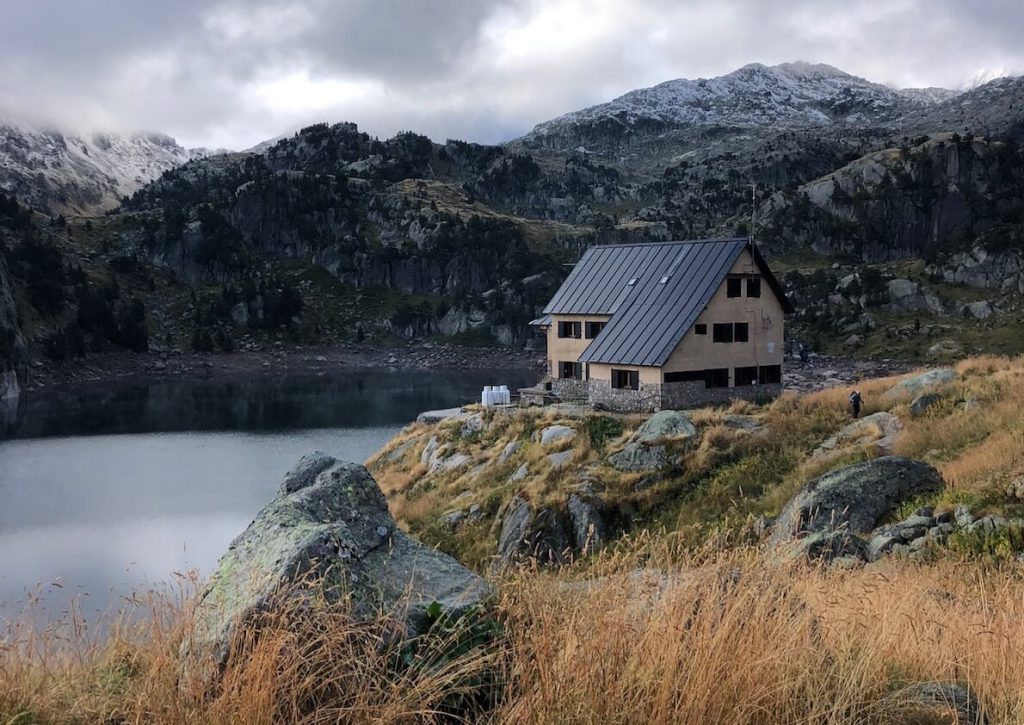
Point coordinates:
pixel 632 281
pixel 664 280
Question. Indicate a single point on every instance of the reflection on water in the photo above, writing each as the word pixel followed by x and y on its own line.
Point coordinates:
pixel 257 403
pixel 180 470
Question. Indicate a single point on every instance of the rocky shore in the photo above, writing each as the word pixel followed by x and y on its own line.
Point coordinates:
pixel 281 360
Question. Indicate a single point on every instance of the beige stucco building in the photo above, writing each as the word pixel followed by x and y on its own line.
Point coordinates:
pixel 666 325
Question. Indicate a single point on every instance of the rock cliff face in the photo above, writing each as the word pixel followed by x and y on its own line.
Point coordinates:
pixel 11 344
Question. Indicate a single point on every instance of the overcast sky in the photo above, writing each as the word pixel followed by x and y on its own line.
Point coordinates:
pixel 231 73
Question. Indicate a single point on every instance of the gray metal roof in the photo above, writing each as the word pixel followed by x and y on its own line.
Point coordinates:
pixel 542 321
pixel 654 292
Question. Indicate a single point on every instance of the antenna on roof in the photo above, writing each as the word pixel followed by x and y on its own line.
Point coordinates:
pixel 753 211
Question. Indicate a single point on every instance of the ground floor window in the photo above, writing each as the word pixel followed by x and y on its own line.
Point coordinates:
pixel 689 376
pixel 770 374
pixel 713 378
pixel 746 376
pixel 568 369
pixel 626 379
pixel 718 378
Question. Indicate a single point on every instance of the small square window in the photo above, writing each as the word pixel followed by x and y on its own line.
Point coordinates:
pixel 742 332
pixel 734 287
pixel 626 379
pixel 700 329
pixel 753 287
pixel 722 332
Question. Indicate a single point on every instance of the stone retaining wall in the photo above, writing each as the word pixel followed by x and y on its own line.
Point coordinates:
pixel 652 396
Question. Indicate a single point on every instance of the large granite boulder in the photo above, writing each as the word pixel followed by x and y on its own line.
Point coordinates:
pixel 918 384
pixel 665 424
pixel 854 498
pixel 639 458
pixel 645 451
pixel 328 533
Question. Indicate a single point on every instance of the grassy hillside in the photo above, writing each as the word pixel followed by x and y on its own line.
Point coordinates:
pixel 684 618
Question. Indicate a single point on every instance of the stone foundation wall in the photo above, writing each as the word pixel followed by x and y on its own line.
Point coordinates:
pixel 644 400
pixel 652 396
pixel 570 388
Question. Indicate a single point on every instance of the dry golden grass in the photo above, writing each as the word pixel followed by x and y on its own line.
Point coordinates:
pixel 649 636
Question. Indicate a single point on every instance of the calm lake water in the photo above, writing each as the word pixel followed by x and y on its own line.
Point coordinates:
pixel 108 488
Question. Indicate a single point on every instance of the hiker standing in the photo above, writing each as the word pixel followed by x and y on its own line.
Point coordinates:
pixel 855 403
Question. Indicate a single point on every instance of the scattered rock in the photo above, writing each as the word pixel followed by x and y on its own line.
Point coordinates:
pixel 854 498
pixel 453 518
pixel 880 429
pixel 589 523
pixel 825 546
pixel 472 424
pixel 1015 489
pixel 940 702
pixel 945 348
pixel 559 460
pixel 452 462
pixel 527 534
pixel 962 516
pixel 522 472
pixel 400 450
pixel 742 422
pixel 854 341
pixel 978 310
pixel 556 433
pixel 510 450
pixel 436 416
pixel 922 403
pixel 429 451
pixel 332 524
pixel 918 384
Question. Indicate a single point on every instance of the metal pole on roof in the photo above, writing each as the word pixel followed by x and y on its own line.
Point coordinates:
pixel 753 211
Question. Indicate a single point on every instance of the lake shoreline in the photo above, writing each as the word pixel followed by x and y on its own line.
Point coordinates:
pixel 315 360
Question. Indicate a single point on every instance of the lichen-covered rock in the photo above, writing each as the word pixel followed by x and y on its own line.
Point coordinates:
pixel 918 384
pixel 639 458
pixel 471 425
pixel 854 498
pixel 328 530
pixel 665 424
pixel 520 473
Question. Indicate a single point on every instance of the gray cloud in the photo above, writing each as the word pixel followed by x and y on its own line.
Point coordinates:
pixel 233 72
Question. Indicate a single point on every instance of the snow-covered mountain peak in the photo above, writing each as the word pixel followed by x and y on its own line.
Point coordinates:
pixel 82 173
pixel 784 96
